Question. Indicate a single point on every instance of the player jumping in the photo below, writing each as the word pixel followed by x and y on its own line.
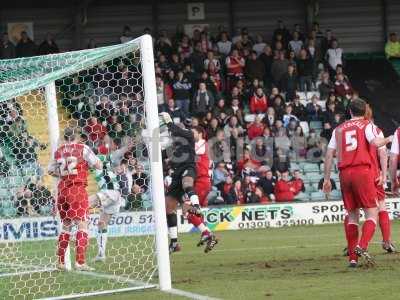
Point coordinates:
pixel 182 160
pixel 351 142
pixel 71 163
pixel 108 199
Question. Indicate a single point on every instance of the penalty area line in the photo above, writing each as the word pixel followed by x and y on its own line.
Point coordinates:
pixel 189 295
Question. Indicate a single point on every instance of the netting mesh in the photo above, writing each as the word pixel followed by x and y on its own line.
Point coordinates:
pixel 99 93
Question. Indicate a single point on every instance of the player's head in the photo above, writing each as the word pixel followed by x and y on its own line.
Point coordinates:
pixel 69 134
pixel 358 107
pixel 197 133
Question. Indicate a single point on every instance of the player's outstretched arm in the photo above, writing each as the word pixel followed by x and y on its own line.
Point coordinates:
pixel 381 141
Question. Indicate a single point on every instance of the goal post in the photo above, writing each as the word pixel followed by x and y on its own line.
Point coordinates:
pixel 109 95
pixel 150 99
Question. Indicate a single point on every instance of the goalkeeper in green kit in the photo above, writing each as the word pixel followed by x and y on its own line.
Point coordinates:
pixel 108 199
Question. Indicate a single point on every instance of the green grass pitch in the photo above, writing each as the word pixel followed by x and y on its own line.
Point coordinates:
pixel 286 263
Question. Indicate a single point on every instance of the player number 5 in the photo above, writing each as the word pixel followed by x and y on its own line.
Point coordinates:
pixel 351 140
pixel 68 166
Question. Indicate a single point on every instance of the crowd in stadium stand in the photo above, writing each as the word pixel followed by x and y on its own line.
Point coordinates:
pixel 264 106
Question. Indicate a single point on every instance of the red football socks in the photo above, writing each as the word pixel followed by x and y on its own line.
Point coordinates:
pixel 63 240
pixel 384 224
pixel 352 239
pixel 81 245
pixel 368 231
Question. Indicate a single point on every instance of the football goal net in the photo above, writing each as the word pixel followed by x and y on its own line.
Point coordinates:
pixel 109 96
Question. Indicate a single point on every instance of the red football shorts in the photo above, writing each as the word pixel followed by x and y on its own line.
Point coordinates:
pixel 358 188
pixel 73 203
pixel 202 187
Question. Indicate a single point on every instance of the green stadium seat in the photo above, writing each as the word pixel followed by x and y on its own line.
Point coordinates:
pixel 318 196
pixel 45 210
pixel 316 125
pixel 302 197
pixel 335 195
pixel 313 178
pixel 5 193
pixel 6 203
pixel 309 188
pixel 311 168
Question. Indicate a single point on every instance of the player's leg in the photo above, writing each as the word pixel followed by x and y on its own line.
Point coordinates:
pixel 385 226
pixel 109 201
pixel 202 187
pixel 191 208
pixel 80 210
pixel 65 234
pixel 63 242
pixel 364 190
pixel 351 224
pixel 171 205
pixel 352 236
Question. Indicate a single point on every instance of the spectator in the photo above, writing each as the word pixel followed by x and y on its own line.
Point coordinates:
pixel 299 109
pixel 297 182
pixel 224 45
pixel 25 47
pixel 279 107
pixel 260 197
pixel 334 56
pixel 48 46
pixel 259 46
pixel 281 139
pixel 140 178
pixel 174 111
pixel 258 102
pixel 270 117
pixel 289 83
pixel 247 162
pixel 237 110
pixel 281 32
pixel 197 58
pixel 321 183
pixel 267 57
pixel 343 87
pixel 325 87
pixel 296 44
pixel 326 132
pixel 233 128
pixel 289 116
pixel 392 47
pixel 235 193
pixel 235 67
pixel 182 92
pixel 267 182
pixel 127 35
pixel 134 200
pixel 327 42
pixel 203 101
pixel 256 128
pixel 305 71
pixel 212 128
pixel 220 148
pixel 4 165
pixel 175 64
pixel 122 180
pixel 314 110
pixel 95 131
pixel 164 91
pixel 220 176
pixel 7 48
pixel 254 68
pixel 297 28
pixel 298 142
pixel 211 59
pixel 329 114
pixel 284 190
pixel 279 67
pixel 221 111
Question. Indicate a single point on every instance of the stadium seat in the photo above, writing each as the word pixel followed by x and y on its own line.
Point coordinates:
pixel 321 168
pixel 335 195
pixel 316 125
pixel 314 178
pixel 5 194
pixel 310 168
pixel 45 210
pixel 302 197
pixel 318 196
pixel 294 166
pixel 335 176
pixel 6 203
pixel 310 188
pixel 305 127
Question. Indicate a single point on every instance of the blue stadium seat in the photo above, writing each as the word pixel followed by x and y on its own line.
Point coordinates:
pixel 310 188
pixel 313 178
pixel 302 197
pixel 310 168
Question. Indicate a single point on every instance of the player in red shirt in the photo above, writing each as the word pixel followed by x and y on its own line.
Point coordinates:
pixel 351 141
pixel 71 164
pixel 202 183
pixel 393 162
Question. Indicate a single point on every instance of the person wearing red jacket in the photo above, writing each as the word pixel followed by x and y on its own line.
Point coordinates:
pixel 284 189
pixel 256 129
pixel 258 102
pixel 297 182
